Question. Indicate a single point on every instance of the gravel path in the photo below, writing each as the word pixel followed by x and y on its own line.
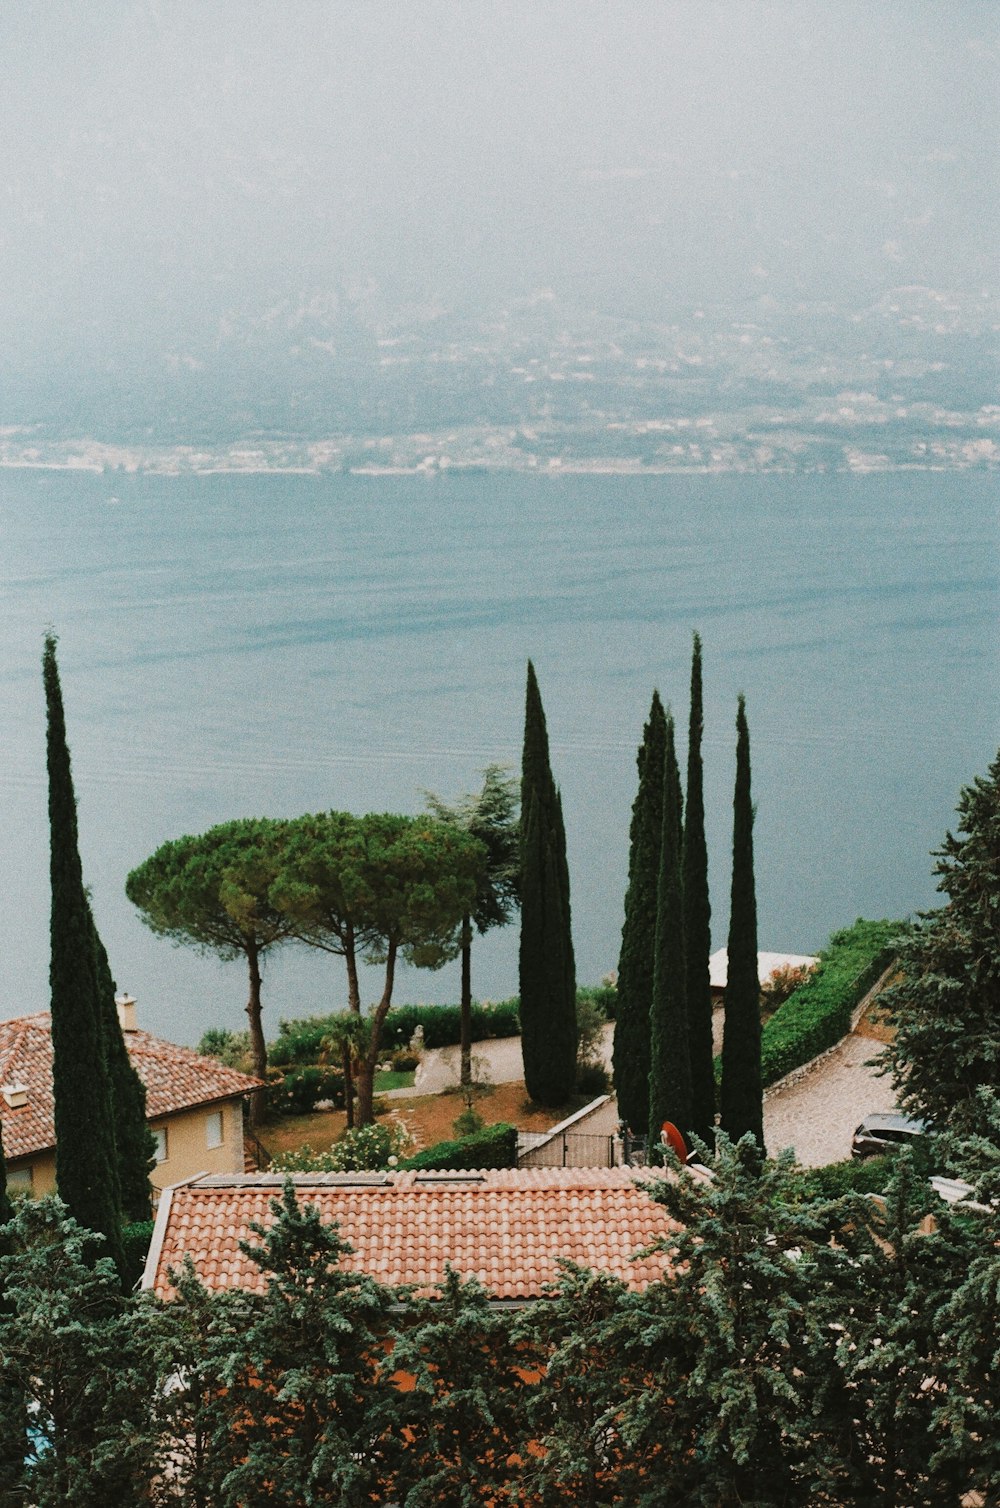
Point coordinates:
pixel 816 1114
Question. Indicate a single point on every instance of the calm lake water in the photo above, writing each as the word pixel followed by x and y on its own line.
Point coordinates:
pixel 234 646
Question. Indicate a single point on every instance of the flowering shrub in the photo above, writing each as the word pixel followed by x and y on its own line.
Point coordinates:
pixel 362 1149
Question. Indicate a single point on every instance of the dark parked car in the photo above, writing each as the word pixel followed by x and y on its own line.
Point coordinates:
pixel 878 1134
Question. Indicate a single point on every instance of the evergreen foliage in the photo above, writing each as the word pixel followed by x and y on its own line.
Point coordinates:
pixel 546 965
pixel 135 1147
pixel 73 1364
pixel 946 1007
pixel 698 921
pixel 492 1147
pixel 573 1339
pixel 465 1415
pixel 306 1416
pixel 6 1208
pixel 742 1095
pixel 670 1064
pixel 719 1358
pixel 488 816
pixel 631 1055
pixel 86 1160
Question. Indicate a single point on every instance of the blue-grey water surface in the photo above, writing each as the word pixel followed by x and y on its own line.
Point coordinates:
pixel 237 645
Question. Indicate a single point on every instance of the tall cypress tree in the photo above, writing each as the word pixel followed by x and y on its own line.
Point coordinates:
pixel 546 965
pixel 86 1167
pixel 742 1096
pixel 670 1064
pixel 638 953
pixel 6 1209
pixel 134 1145
pixel 698 922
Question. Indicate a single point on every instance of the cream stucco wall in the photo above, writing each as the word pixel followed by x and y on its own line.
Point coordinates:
pixel 188 1151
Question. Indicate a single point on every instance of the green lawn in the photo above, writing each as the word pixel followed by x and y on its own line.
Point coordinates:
pixel 394 1080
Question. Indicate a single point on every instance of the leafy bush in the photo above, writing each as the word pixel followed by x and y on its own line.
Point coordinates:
pixel 299 1041
pixel 819 1013
pixel 404 1061
pixel 231 1048
pixel 469 1121
pixel 442 1024
pixel 592 1079
pixel 837 1179
pixel 782 983
pixel 135 1244
pixel 604 996
pixel 493 1147
pixel 362 1149
pixel 297 1091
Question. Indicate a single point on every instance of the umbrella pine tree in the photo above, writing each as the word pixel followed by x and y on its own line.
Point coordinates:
pixel 638 951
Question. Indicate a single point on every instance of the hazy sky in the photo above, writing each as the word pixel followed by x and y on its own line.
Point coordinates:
pixel 164 163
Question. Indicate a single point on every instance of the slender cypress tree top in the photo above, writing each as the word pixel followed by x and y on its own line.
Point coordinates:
pixel 638 951
pixel 536 769
pixel 670 1063
pixel 86 1166
pixel 698 921
pixel 545 963
pixel 742 1103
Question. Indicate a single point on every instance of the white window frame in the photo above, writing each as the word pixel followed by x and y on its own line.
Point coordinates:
pixel 21 1180
pixel 162 1143
pixel 215 1117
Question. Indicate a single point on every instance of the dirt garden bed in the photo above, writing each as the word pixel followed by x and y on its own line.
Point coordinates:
pixel 429 1117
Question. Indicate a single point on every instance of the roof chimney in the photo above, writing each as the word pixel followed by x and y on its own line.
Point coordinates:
pixel 126 1012
pixel 15 1095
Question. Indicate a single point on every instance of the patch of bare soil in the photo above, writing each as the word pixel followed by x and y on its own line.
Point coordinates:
pixel 429 1118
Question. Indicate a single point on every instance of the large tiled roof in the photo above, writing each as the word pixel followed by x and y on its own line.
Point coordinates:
pixel 176 1078
pixel 508 1228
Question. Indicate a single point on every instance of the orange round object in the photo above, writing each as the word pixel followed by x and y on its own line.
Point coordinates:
pixel 670 1135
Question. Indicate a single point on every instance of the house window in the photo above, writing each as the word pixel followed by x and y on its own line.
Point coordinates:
pixel 20 1179
pixel 160 1137
pixel 213 1129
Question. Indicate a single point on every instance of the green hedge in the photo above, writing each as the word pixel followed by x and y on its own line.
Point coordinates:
pixel 819 1014
pixel 135 1244
pixel 493 1147
pixel 301 1041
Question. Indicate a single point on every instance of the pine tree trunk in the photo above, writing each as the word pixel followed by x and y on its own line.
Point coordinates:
pixel 353 987
pixel 258 1047
pixel 346 1065
pixel 465 1009
pixel 369 1063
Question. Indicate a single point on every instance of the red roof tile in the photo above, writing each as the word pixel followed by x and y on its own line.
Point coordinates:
pixel 508 1228
pixel 176 1078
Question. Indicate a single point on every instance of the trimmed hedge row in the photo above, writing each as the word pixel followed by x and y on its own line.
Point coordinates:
pixel 493 1147
pixel 819 1013
pixel 301 1041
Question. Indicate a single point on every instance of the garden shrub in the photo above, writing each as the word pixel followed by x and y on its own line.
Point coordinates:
pixel 362 1149
pixel 135 1244
pixel 297 1091
pixel 603 996
pixel 818 1014
pixel 231 1048
pixel 493 1147
pixel 592 1079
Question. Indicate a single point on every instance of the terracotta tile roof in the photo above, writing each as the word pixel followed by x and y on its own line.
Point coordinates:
pixel 508 1228
pixel 176 1078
